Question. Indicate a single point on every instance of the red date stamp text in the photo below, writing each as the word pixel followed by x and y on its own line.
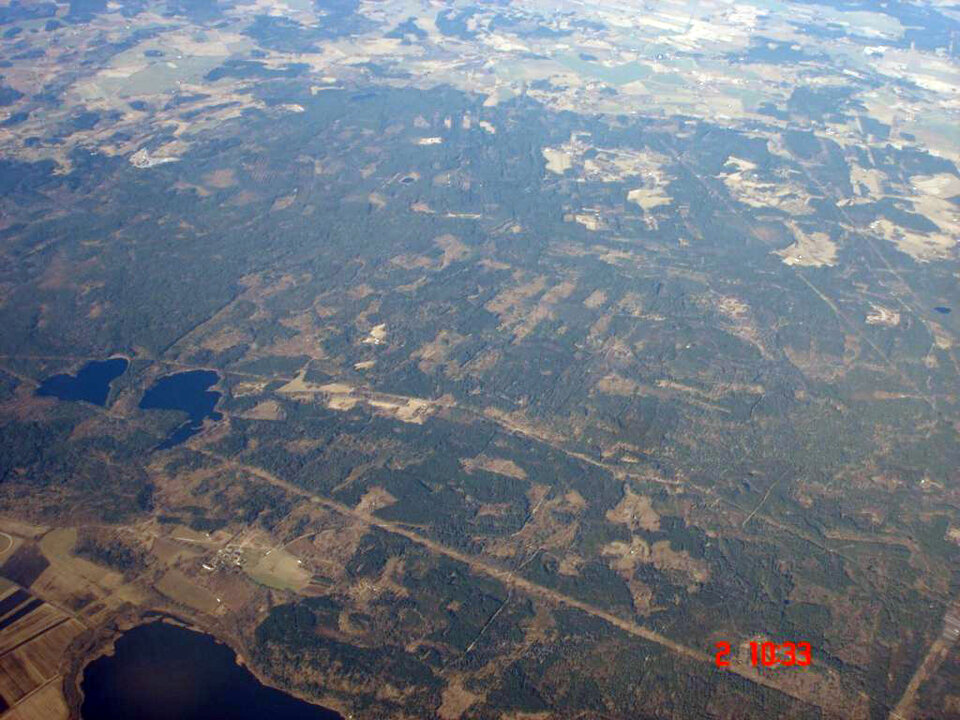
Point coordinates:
pixel 768 654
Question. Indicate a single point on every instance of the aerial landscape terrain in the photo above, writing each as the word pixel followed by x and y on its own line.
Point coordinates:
pixel 481 360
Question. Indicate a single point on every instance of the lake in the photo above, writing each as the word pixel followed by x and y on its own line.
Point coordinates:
pixel 165 672
pixel 187 392
pixel 91 384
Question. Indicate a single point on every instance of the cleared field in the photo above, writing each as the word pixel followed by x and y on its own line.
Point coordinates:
pixel 280 570
pixel 29 626
pixel 29 666
pixel 11 600
pixel 171 552
pixel 57 546
pixel 45 704
pixel 179 588
pixel 17 679
pixel 21 529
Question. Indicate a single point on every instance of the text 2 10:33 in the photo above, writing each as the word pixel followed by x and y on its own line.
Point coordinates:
pixel 768 654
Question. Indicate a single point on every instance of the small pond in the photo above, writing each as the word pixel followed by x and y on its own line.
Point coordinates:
pixel 91 383
pixel 187 392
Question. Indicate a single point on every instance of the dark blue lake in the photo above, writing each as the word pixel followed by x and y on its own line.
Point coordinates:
pixel 165 672
pixel 91 384
pixel 187 392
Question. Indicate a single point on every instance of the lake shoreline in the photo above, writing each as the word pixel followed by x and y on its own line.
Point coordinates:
pixel 100 642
